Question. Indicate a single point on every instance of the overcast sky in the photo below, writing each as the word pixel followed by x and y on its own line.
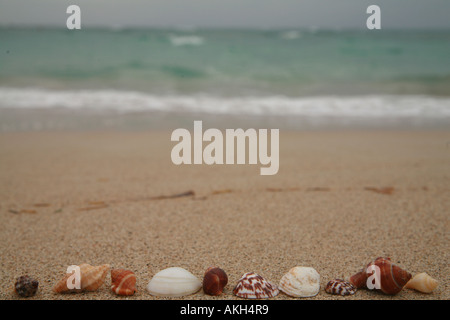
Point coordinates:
pixel 408 14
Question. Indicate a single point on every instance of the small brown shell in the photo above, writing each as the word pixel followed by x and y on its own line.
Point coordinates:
pixel 123 282
pixel 26 286
pixel 253 286
pixel 339 286
pixel 214 281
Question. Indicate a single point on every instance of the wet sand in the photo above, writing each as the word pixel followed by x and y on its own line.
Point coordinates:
pixel 339 200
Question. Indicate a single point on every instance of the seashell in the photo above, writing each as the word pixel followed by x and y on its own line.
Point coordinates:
pixel 214 281
pixel 26 286
pixel 91 278
pixel 341 287
pixel 123 282
pixel 301 282
pixel 253 286
pixel 173 282
pixel 422 282
pixel 358 280
pixel 392 278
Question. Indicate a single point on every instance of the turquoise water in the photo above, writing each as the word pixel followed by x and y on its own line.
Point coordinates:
pixel 219 62
pixel 321 76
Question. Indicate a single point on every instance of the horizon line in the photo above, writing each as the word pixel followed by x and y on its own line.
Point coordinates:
pixel 311 29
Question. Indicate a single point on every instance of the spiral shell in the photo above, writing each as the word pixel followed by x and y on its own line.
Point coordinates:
pixel 339 286
pixel 358 280
pixel 422 282
pixel 123 282
pixel 91 278
pixel 214 281
pixel 26 286
pixel 253 286
pixel 383 273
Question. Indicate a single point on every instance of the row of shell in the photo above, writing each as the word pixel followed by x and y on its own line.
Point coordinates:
pixel 177 282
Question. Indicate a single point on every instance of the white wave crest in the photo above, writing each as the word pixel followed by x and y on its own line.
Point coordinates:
pixel 186 40
pixel 372 106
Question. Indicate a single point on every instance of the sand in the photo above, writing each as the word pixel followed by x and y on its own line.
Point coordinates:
pixel 339 200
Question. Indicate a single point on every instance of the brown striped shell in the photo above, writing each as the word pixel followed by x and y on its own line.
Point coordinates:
pixel 339 286
pixel 123 282
pixel 392 278
pixel 253 286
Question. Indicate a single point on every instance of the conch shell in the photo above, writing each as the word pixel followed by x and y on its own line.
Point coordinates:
pixel 91 278
pixel 253 286
pixel 174 282
pixel 301 282
pixel 123 282
pixel 383 273
pixel 422 282
pixel 358 280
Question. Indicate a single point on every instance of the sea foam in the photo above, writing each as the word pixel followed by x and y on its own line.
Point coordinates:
pixel 370 106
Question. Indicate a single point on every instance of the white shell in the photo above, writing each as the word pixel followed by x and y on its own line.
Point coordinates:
pixel 422 282
pixel 301 282
pixel 253 286
pixel 173 282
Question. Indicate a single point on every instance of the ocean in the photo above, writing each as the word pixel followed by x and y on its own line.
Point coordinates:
pixel 317 75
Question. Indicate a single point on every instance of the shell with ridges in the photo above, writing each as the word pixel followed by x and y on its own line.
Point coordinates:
pixel 339 286
pixel 253 286
pixel 91 278
pixel 301 282
pixel 173 282
pixel 422 282
pixel 123 282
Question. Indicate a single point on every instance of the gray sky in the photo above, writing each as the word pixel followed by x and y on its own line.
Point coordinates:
pixel 407 14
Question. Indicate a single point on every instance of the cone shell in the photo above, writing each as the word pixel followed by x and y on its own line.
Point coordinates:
pixel 91 278
pixel 341 287
pixel 123 282
pixel 253 286
pixel 174 282
pixel 301 282
pixel 422 282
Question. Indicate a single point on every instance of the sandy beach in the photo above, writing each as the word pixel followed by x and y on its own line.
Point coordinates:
pixel 339 200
